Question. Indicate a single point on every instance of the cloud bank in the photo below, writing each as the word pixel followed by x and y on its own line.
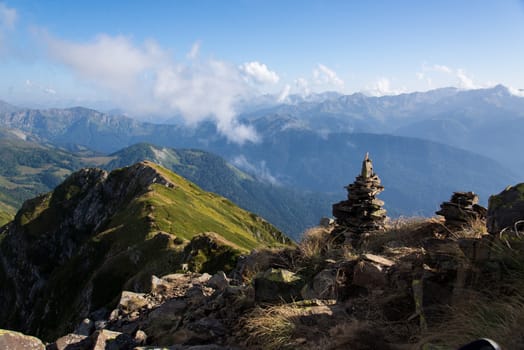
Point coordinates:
pixel 148 80
pixel 441 75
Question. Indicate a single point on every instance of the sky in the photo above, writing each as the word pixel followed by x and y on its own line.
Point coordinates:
pixel 198 58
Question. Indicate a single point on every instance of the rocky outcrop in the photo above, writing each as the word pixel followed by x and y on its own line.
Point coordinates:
pixel 70 252
pixel 362 212
pixel 181 310
pixel 51 229
pixel 506 210
pixel 461 209
pixel 405 287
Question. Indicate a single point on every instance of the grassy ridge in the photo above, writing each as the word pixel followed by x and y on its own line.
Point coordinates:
pixel 28 169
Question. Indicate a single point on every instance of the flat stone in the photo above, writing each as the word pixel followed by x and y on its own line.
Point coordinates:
pixel 378 259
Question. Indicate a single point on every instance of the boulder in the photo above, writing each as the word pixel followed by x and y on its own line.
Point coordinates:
pixel 130 301
pixel 506 209
pixel 218 281
pixel 14 340
pixel 86 327
pixel 369 275
pixel 69 342
pixel 277 285
pixel 323 285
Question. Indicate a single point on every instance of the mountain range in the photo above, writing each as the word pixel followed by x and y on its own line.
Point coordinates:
pixel 308 149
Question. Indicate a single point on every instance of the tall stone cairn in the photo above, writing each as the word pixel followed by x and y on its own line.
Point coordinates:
pixel 362 212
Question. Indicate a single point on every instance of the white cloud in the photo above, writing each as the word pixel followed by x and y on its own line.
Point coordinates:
pixel 147 80
pixel 302 86
pixel 325 75
pixel 382 86
pixel 8 16
pixel 259 72
pixel 441 68
pixel 260 170
pixel 32 86
pixel 282 97
pixel 442 75
pixel 195 49
pixel 207 90
pixel 465 82
pixel 516 92
pixel 110 61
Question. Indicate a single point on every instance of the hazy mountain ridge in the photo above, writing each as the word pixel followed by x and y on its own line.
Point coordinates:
pixel 416 174
pixel 485 121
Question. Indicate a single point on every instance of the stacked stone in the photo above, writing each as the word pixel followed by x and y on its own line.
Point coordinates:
pixel 461 209
pixel 362 212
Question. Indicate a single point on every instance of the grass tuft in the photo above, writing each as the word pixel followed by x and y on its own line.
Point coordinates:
pixel 272 327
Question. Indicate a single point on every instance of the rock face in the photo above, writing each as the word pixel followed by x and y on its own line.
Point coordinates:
pixel 362 212
pixel 461 209
pixel 506 209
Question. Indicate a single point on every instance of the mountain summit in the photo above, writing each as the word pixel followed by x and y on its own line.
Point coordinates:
pixel 70 252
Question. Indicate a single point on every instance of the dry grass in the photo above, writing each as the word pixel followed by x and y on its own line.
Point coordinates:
pixel 316 248
pixel 260 260
pixel 475 228
pixel 317 243
pixel 402 232
pixel 495 309
pixel 482 317
pixel 272 327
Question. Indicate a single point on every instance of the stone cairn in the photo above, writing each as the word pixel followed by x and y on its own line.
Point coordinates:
pixel 461 209
pixel 362 212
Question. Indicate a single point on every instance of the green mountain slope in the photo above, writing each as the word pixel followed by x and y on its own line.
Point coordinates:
pixel 30 168
pixel 291 211
pixel 71 251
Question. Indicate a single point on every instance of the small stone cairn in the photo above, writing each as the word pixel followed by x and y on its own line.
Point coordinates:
pixel 461 209
pixel 362 212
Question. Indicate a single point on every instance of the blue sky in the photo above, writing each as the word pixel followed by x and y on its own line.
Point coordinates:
pixel 154 56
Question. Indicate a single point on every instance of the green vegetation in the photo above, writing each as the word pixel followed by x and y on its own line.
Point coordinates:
pixel 29 169
pixel 5 214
